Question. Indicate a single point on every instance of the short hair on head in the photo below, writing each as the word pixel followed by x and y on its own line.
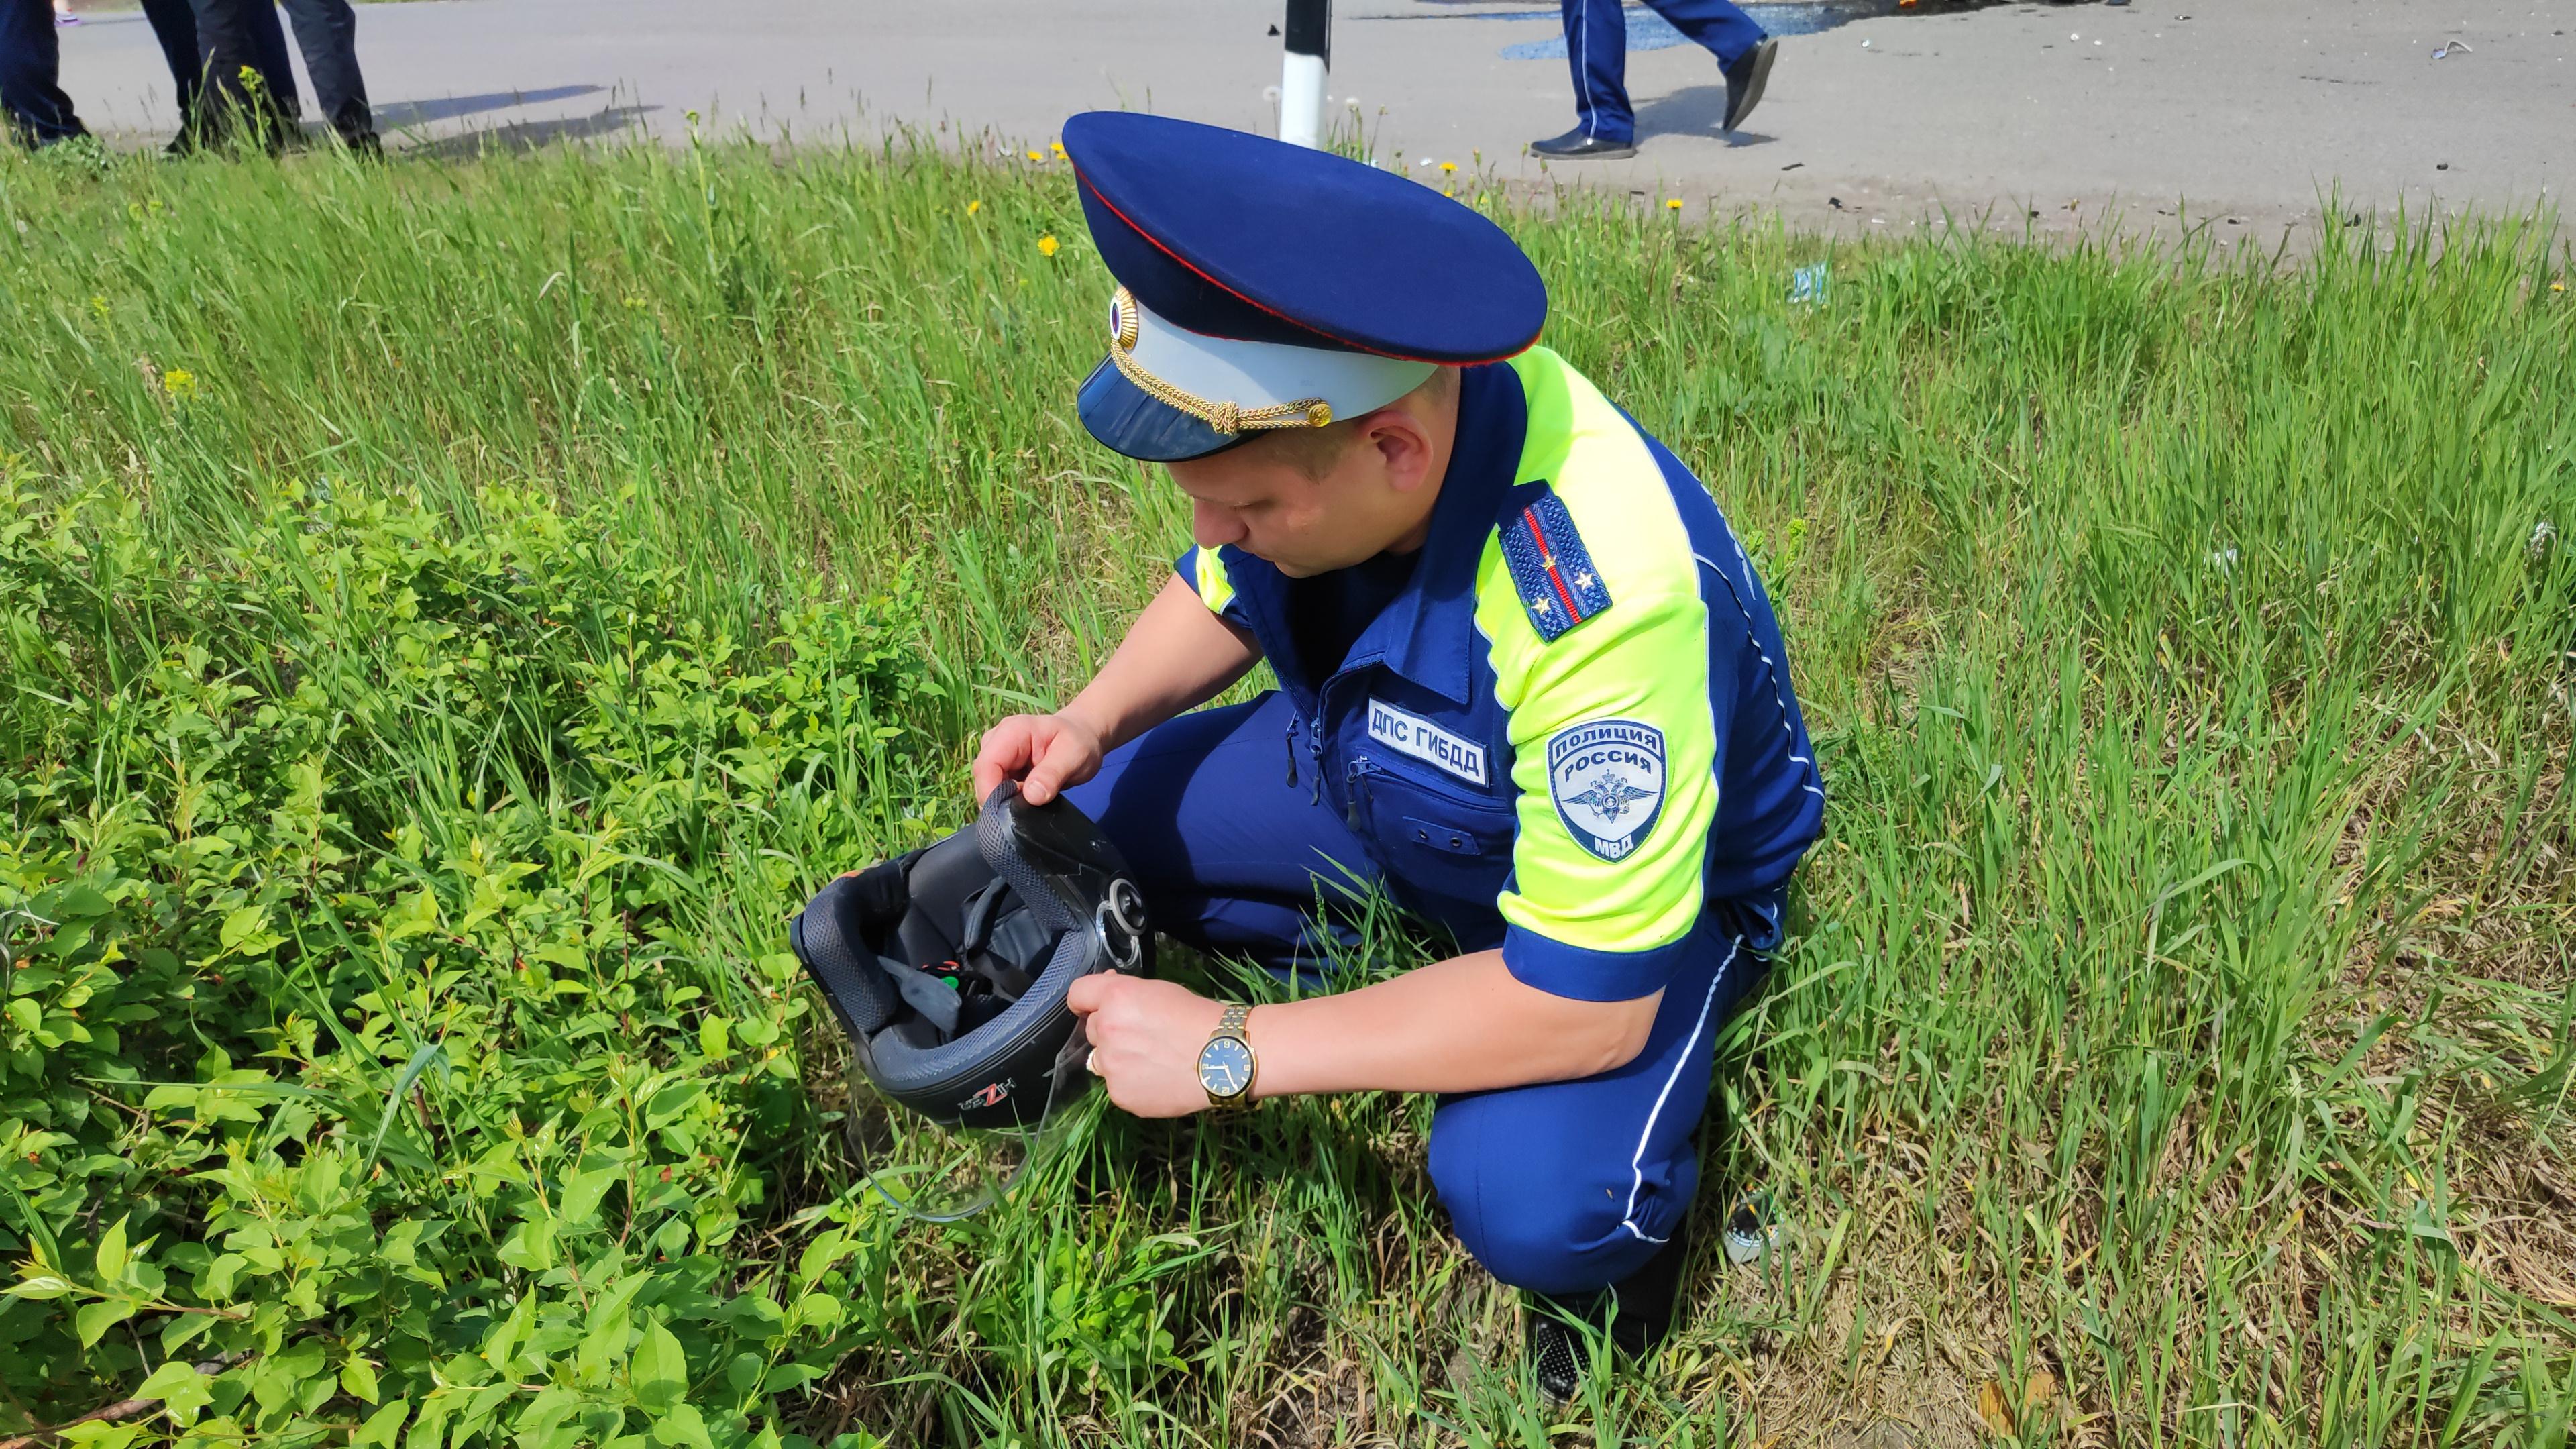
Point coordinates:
pixel 1315 451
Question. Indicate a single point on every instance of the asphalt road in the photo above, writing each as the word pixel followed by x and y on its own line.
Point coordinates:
pixel 2246 113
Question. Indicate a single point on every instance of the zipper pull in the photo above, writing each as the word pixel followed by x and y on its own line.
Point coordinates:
pixel 1315 747
pixel 1291 739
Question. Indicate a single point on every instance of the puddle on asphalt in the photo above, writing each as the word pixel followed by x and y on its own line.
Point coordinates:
pixel 1649 31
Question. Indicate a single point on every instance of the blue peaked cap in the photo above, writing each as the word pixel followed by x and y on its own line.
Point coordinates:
pixel 1270 278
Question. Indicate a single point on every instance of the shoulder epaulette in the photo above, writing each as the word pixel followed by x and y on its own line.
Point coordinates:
pixel 1558 585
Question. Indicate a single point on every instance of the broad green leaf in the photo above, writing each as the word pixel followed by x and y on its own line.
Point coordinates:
pixel 817 1310
pixel 787 1378
pixel 359 1377
pixel 41 1285
pixel 659 1375
pixel 278 1379
pixel 78 901
pixel 111 1252
pixel 582 1193
pixel 502 1344
pixel 241 925
pixel 531 1246
pixel 181 1389
pixel 682 1425
pixel 95 1319
pixel 820 1254
pixel 382 1425
pixel 184 1329
pixel 99 1434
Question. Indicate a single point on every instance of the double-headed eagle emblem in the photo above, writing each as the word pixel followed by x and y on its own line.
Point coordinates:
pixel 1609 796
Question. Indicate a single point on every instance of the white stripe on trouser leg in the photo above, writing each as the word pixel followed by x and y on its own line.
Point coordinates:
pixel 1637 1164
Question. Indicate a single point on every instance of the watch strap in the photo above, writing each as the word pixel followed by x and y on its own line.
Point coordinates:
pixel 1234 1022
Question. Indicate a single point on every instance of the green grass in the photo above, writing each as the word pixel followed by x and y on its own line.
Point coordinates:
pixel 454 612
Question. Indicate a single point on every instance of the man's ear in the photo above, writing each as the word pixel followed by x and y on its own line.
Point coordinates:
pixel 1403 446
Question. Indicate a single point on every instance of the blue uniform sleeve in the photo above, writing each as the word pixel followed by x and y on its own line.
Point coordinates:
pixel 1616 736
pixel 1204 571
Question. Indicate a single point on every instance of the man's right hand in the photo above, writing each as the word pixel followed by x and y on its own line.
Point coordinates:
pixel 1044 752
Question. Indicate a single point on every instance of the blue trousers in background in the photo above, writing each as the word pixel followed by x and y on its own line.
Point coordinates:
pixel 31 64
pixel 1563 1187
pixel 1596 50
pixel 238 33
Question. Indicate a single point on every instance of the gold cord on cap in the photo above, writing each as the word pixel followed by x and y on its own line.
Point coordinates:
pixel 1224 417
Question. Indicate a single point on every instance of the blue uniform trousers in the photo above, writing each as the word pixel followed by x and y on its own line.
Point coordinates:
pixel 37 111
pixel 1596 49
pixel 1564 1187
pixel 235 34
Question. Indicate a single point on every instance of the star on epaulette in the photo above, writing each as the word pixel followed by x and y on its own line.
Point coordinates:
pixel 1558 585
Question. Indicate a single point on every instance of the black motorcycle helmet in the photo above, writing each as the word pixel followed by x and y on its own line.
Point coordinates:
pixel 948 967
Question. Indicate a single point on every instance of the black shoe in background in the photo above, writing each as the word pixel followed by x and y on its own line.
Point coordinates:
pixel 1560 1352
pixel 1745 80
pixel 1576 146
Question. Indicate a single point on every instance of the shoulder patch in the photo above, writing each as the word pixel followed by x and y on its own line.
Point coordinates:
pixel 1607 779
pixel 1552 570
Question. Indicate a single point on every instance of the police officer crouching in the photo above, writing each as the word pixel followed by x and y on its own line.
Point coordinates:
pixel 1529 685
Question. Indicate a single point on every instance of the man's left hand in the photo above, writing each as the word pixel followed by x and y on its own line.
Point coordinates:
pixel 1145 1040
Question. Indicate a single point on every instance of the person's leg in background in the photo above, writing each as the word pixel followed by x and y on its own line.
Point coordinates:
pixel 276 71
pixel 174 24
pixel 327 32
pixel 1744 53
pixel 31 63
pixel 1596 52
pixel 248 80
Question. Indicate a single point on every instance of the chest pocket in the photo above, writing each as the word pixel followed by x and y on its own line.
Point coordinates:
pixel 1434 839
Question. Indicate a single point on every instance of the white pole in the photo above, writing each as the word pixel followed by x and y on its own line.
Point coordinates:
pixel 1308 51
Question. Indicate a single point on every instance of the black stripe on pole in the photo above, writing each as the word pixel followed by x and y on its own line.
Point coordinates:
pixel 1310 28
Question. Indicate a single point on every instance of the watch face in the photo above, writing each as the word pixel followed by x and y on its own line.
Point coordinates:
pixel 1225 1067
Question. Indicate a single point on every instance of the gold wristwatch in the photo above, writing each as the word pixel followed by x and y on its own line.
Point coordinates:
pixel 1226 1064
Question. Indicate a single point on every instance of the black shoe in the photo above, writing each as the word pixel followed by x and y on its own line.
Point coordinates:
pixel 1745 79
pixel 1560 1352
pixel 1576 146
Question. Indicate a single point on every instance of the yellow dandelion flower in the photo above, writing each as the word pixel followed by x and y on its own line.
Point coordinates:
pixel 2558 286
pixel 1034 156
pixel 1672 203
pixel 1046 246
pixel 973 207
pixel 1056 146
pixel 1447 167
pixel 179 382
